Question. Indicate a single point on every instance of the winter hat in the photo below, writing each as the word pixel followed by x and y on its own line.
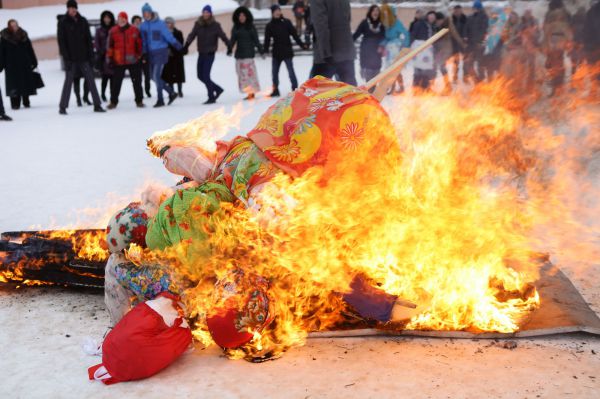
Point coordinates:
pixel 123 14
pixel 207 8
pixel 275 7
pixel 146 8
pixel 72 4
pixel 170 20
pixel 127 227
pixel 242 306
pixel 478 5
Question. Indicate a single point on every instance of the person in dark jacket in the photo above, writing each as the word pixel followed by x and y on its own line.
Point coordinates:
pixel 3 116
pixel 371 47
pixel 107 21
pixel 156 41
pixel 419 16
pixel 124 52
pixel 75 45
pixel 591 34
pixel 333 49
pixel 207 31
pixel 458 24
pixel 245 39
pixel 19 63
pixel 424 63
pixel 136 21
pixel 299 10
pixel 280 29
pixel 174 72
pixel 475 33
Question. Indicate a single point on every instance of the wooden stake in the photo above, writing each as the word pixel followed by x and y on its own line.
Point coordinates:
pixel 384 80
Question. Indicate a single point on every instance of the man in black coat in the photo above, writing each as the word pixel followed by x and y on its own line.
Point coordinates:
pixel 207 31
pixel 475 33
pixel 3 116
pixel 591 34
pixel 75 45
pixel 280 29
pixel 333 49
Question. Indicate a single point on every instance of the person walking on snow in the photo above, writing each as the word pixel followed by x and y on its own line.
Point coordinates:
pixel 107 21
pixel 207 31
pixel 75 44
pixel 124 53
pixel 174 72
pixel 396 38
pixel 136 21
pixel 245 39
pixel 475 33
pixel 280 29
pixel 156 38
pixel 333 49
pixel 19 62
pixel 371 47
pixel 3 116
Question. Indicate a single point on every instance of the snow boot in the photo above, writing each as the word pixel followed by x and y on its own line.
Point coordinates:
pixel 172 98
pixel 210 101
pixel 62 111
pixel 139 104
pixel 99 109
pixel 111 106
pixel 159 104
pixel 218 93
pixel 275 92
pixel 5 118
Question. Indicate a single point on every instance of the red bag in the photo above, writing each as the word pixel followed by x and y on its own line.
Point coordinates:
pixel 149 338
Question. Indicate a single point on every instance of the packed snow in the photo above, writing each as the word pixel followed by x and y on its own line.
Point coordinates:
pixel 67 170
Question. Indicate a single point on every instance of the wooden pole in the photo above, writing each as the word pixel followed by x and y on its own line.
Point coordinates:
pixel 384 79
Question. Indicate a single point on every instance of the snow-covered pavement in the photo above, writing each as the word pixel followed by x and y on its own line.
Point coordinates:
pixel 51 165
pixel 55 168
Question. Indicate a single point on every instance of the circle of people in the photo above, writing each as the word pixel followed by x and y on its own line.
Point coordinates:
pixel 482 44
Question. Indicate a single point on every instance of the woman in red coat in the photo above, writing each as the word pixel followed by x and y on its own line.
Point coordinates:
pixel 124 53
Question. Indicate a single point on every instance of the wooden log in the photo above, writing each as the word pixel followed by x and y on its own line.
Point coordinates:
pixel 384 80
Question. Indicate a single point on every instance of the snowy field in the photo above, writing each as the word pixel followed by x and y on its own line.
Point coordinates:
pixel 53 165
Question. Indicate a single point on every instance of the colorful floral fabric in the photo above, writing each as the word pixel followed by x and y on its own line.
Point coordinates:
pixel 247 75
pixel 186 215
pixel 243 166
pixel 126 227
pixel 147 281
pixel 302 129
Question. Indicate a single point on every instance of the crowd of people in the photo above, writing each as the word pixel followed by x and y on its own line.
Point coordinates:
pixel 480 46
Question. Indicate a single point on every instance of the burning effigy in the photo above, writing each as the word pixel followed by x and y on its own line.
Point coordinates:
pixel 334 214
pixel 313 221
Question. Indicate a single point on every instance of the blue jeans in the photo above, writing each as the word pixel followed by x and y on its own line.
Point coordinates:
pixel 205 63
pixel 156 71
pixel 276 63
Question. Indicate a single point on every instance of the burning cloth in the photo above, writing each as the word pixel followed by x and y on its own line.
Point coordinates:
pixel 323 124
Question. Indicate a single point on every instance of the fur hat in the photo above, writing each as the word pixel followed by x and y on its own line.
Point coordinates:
pixel 72 4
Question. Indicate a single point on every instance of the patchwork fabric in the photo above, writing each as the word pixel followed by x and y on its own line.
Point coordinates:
pixel 303 129
pixel 242 306
pixel 186 215
pixel 147 281
pixel 126 227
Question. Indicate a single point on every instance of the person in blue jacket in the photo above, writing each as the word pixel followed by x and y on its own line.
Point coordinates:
pixel 156 38
pixel 396 38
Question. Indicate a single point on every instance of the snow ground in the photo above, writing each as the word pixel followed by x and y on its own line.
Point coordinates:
pixel 53 164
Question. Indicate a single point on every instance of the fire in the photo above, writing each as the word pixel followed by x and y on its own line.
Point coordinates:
pixel 448 217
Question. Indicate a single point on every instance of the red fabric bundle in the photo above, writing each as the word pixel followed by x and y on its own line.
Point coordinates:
pixel 149 338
